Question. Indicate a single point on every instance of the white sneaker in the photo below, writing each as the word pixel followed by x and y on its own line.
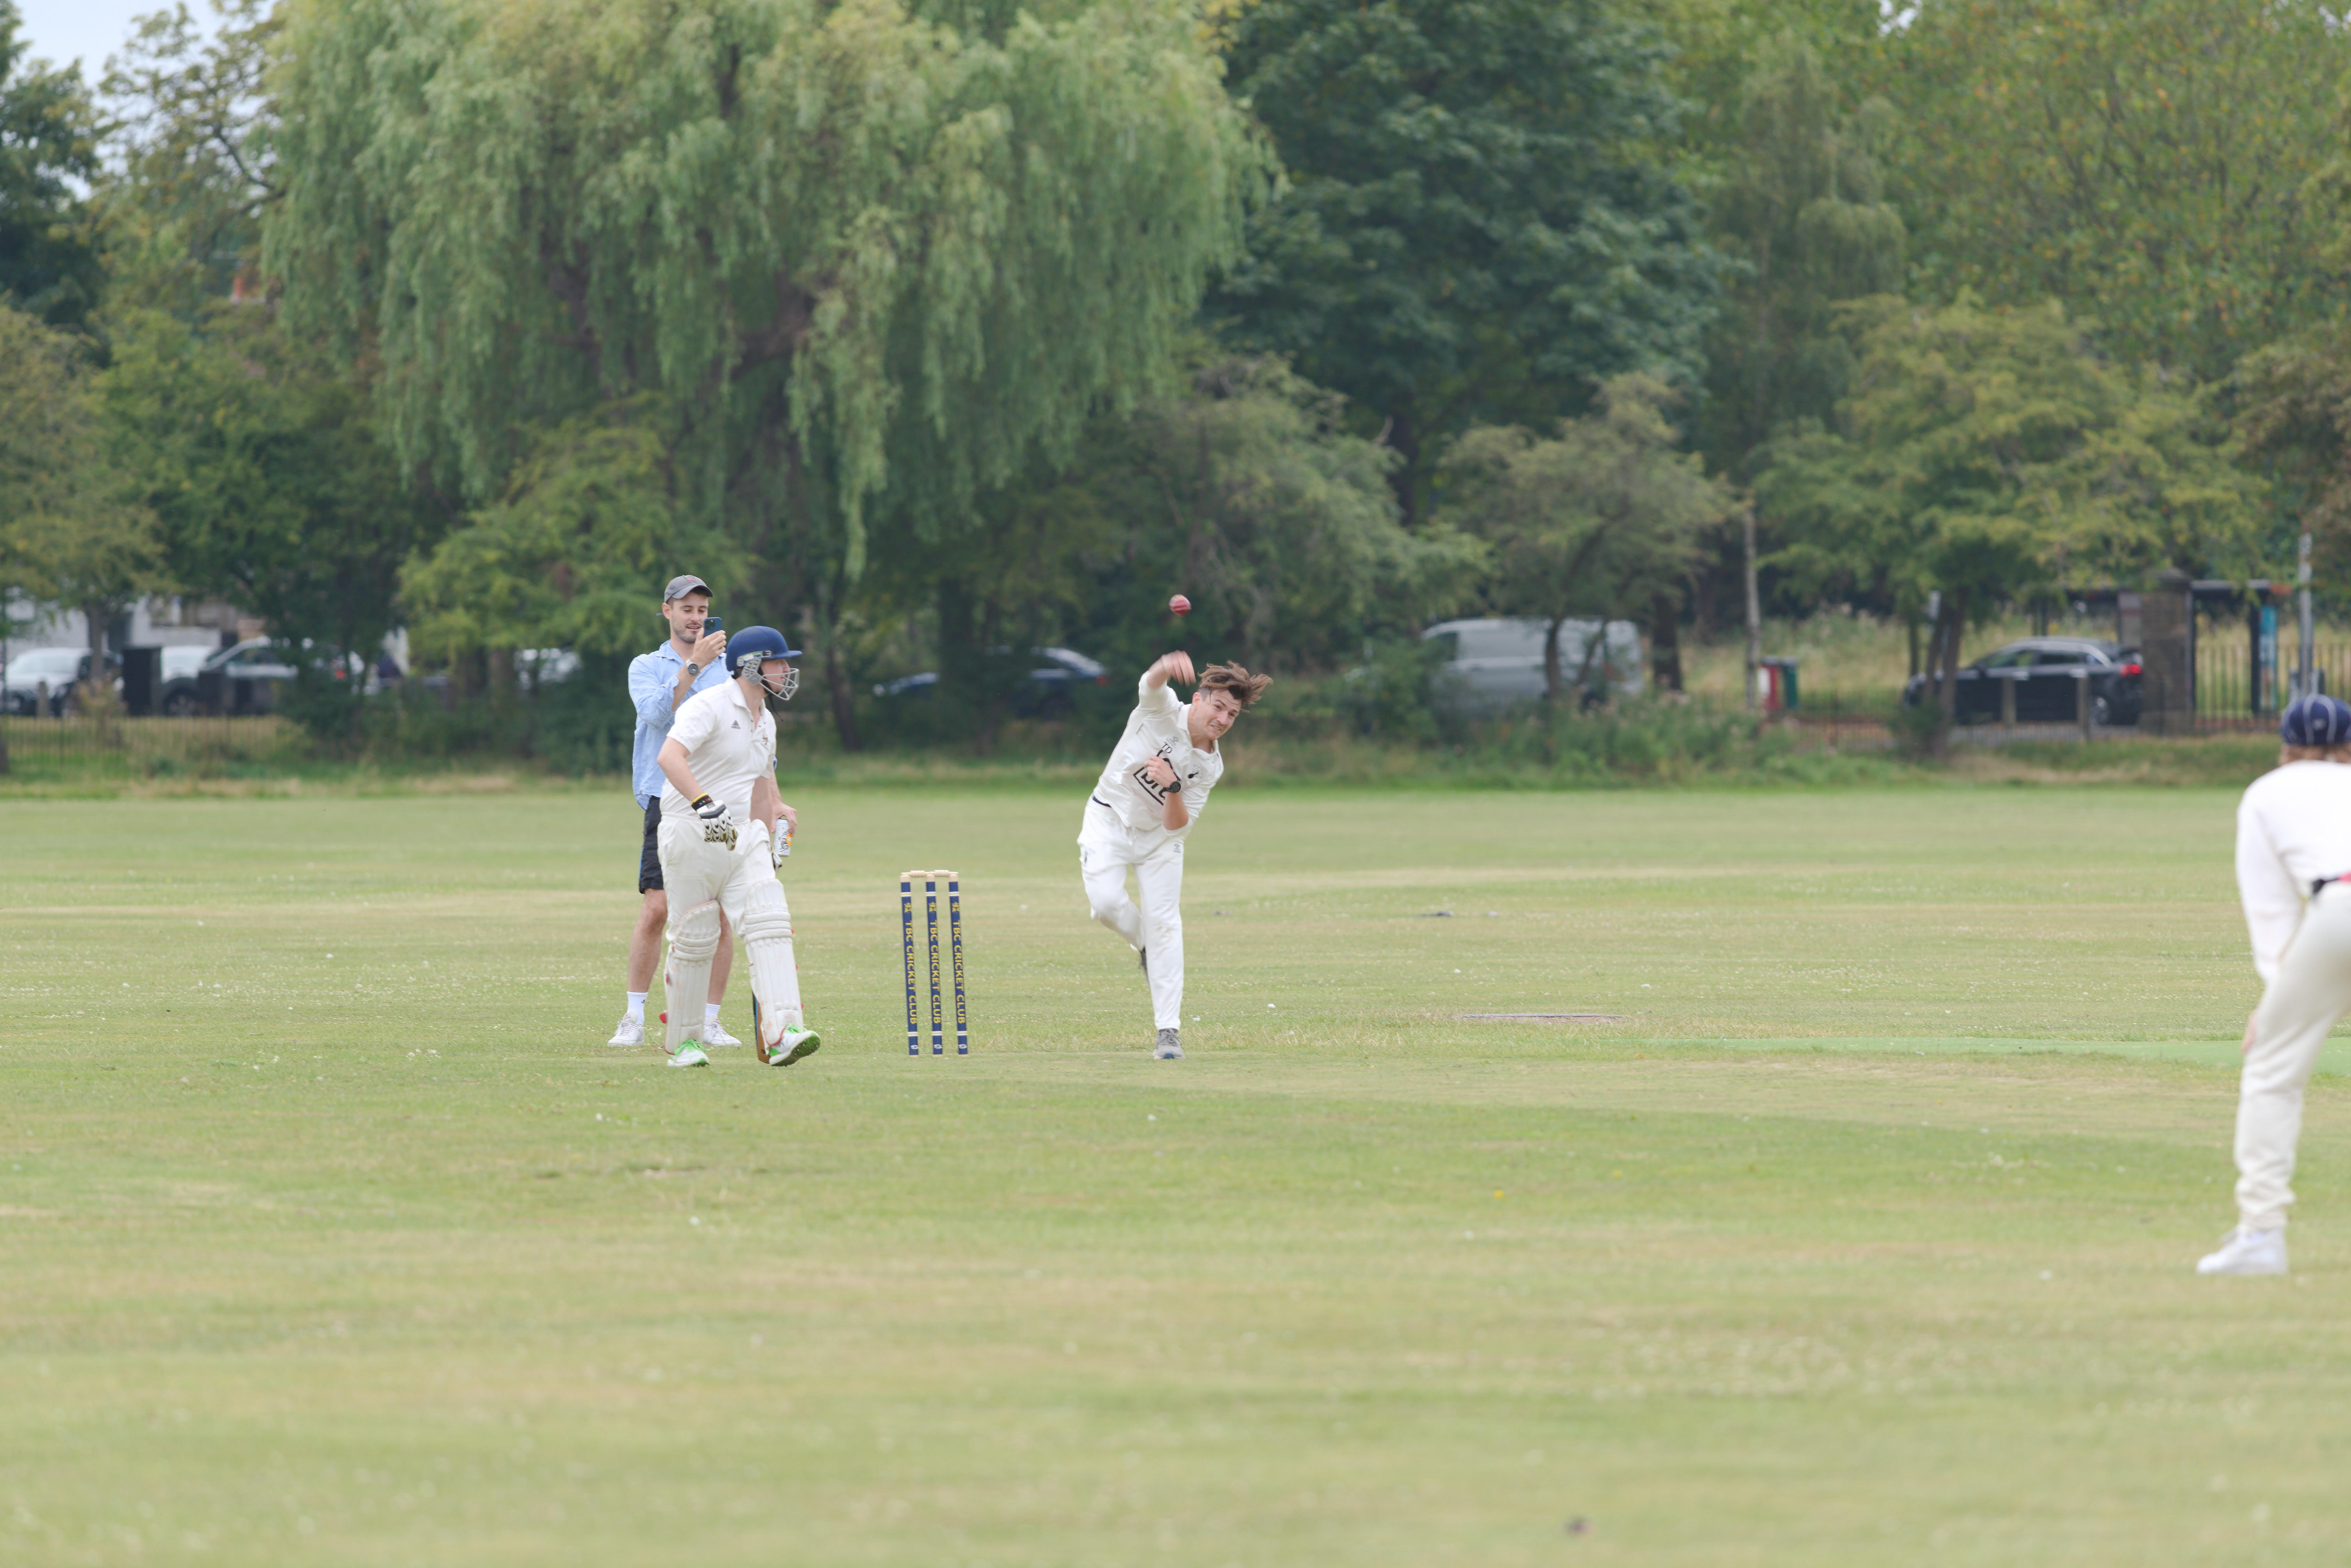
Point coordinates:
pixel 630 1032
pixel 689 1055
pixel 795 1044
pixel 1170 1047
pixel 2244 1251
pixel 714 1033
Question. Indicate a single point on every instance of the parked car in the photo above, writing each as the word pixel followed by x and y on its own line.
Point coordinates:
pixel 175 686
pixel 249 674
pixel 1492 663
pixel 61 667
pixel 1047 691
pixel 2043 671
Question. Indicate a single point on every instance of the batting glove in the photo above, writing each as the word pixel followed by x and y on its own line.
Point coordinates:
pixel 717 826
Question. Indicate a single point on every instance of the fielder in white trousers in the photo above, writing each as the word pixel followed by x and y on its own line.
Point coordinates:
pixel 1107 849
pixel 2293 844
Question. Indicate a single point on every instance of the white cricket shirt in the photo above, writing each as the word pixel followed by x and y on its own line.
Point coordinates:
pixel 1156 729
pixel 728 746
pixel 2293 828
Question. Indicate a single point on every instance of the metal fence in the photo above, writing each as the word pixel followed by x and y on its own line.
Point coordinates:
pixel 141 747
pixel 2233 693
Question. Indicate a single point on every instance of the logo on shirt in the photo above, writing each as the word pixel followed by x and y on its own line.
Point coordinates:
pixel 1142 781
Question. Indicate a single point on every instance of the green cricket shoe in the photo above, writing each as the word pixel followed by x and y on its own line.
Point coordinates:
pixel 796 1043
pixel 689 1055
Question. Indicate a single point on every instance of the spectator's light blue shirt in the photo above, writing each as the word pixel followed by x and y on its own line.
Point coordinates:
pixel 652 680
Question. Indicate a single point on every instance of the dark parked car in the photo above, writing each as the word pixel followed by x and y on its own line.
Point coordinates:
pixel 2043 671
pixel 248 674
pixel 1045 692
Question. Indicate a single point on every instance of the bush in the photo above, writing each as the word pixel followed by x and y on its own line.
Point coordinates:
pixel 587 724
pixel 329 710
pixel 1399 693
pixel 1914 725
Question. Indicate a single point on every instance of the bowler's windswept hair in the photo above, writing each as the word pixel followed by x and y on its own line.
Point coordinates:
pixel 1235 681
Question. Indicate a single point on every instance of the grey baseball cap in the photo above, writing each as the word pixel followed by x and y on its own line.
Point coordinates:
pixel 679 586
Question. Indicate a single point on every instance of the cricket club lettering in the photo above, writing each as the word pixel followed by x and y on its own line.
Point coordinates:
pixel 930 881
pixel 1143 780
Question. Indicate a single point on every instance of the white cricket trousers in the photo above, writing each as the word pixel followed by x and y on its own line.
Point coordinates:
pixel 1106 848
pixel 2312 991
pixel 703 879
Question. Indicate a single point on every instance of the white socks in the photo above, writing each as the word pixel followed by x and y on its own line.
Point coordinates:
pixel 637 1007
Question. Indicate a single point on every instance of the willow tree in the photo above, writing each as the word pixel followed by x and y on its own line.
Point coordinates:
pixel 874 259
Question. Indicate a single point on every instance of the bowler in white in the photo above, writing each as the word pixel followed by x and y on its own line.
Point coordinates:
pixel 1142 808
pixel 2294 853
pixel 718 851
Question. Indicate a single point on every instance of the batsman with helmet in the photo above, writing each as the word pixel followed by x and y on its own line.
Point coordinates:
pixel 720 849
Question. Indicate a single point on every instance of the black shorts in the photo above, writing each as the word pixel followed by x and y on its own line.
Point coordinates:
pixel 649 858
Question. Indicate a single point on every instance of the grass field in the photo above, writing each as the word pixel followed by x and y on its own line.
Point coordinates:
pixel 330 1233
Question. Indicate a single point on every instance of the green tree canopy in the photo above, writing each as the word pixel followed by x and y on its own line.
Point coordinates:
pixel 1477 225
pixel 573 555
pixel 48 148
pixel 1245 487
pixel 181 212
pixel 1986 453
pixel 1238 484
pixel 72 530
pixel 2294 422
pixel 1594 521
pixel 2144 163
pixel 1802 203
pixel 255 453
pixel 872 260
pixel 1717 44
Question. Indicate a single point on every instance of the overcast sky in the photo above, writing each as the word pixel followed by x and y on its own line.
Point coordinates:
pixel 63 31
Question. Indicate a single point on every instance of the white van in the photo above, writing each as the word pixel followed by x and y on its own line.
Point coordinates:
pixel 1493 663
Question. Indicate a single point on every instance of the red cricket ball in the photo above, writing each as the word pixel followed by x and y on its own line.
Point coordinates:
pixel 1180 605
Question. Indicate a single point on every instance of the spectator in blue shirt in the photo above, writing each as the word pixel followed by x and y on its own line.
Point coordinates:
pixel 688 662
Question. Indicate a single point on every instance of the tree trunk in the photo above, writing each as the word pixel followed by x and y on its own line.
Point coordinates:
pixel 993 701
pixel 841 698
pixel 837 693
pixel 1945 648
pixel 1551 667
pixel 960 693
pixel 1665 643
pixel 95 617
pixel 1403 437
pixel 1754 606
pixel 1593 647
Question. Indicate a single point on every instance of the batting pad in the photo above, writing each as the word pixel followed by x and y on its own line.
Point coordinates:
pixel 766 930
pixel 687 979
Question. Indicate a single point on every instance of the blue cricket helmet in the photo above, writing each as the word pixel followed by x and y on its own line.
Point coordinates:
pixel 749 649
pixel 755 643
pixel 2316 721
